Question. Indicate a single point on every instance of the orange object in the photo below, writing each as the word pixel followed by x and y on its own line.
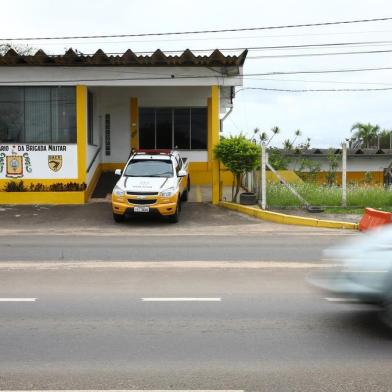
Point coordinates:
pixel 373 218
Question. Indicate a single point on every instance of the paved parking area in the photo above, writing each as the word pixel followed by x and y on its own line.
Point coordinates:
pixel 96 218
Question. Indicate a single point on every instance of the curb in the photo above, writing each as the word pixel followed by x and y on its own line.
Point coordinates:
pixel 287 219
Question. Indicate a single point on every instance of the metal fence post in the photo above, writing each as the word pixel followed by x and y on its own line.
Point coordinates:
pixel 263 178
pixel 344 175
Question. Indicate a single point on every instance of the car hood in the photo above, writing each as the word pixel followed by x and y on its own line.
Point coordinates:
pixel 146 184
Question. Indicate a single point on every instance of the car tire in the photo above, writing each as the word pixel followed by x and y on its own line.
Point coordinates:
pixel 118 218
pixel 189 184
pixel 184 196
pixel 176 216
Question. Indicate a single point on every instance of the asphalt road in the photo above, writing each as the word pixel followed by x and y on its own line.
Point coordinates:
pixel 90 329
pixel 86 325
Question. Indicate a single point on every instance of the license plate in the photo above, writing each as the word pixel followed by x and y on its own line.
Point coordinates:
pixel 141 209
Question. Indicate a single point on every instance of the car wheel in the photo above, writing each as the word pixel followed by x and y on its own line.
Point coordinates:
pixel 118 218
pixel 184 196
pixel 189 184
pixel 176 216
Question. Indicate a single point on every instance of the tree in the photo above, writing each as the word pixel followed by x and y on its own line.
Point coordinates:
pixel 275 130
pixel 239 155
pixel 287 145
pixel 296 134
pixel 23 50
pixel 333 163
pixel 366 133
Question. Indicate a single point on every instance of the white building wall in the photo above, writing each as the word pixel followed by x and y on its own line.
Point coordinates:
pixel 118 76
pixel 358 163
pixel 116 101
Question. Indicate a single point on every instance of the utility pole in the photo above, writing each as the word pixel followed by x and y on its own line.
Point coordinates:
pixel 344 174
pixel 263 178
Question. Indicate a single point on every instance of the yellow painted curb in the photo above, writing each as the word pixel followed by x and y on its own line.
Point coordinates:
pixel 287 219
pixel 76 197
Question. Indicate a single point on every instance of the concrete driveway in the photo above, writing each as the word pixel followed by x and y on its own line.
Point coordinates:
pixel 96 217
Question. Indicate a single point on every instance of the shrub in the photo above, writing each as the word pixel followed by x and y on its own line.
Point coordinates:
pixel 239 155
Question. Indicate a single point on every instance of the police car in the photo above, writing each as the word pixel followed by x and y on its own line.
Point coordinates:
pixel 152 182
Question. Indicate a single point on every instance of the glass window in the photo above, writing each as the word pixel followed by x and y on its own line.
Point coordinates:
pixel 182 122
pixel 11 114
pixel 37 115
pixel 199 128
pixel 147 128
pixel 164 128
pixel 149 168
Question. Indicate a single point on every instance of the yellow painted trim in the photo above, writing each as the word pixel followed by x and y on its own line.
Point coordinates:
pixel 287 219
pixel 42 197
pixel 215 93
pixel 81 127
pixel 134 123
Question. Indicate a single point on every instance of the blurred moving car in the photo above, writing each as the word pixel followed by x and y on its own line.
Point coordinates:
pixel 364 271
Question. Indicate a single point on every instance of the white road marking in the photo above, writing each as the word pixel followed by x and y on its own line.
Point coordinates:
pixel 18 299
pixel 192 264
pixel 181 299
pixel 332 299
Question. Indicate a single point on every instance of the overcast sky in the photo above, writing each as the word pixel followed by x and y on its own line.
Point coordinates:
pixel 325 117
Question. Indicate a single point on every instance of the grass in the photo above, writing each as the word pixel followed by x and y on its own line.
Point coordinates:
pixel 358 197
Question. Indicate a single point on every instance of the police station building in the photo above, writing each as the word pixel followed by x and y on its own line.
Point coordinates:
pixel 66 119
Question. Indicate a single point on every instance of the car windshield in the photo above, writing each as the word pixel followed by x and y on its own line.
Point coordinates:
pixel 149 168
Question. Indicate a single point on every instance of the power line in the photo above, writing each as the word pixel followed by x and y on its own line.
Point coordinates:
pixel 314 90
pixel 318 54
pixel 201 31
pixel 250 48
pixel 319 71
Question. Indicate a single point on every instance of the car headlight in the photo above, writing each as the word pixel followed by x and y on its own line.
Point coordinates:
pixel 117 191
pixel 168 192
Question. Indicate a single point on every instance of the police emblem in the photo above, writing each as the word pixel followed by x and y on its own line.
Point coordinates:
pixel 55 162
pixel 14 165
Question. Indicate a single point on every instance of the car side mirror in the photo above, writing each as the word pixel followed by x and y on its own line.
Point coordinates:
pixel 117 172
pixel 182 173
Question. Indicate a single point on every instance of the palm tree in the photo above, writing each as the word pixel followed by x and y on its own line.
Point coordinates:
pixel 275 130
pixel 263 137
pixel 296 133
pixel 287 145
pixel 365 132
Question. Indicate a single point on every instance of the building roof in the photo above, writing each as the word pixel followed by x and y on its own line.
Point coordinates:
pixel 128 59
pixel 322 152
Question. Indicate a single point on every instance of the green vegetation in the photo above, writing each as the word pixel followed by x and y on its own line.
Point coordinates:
pixel 239 155
pixel 321 195
pixel 19 186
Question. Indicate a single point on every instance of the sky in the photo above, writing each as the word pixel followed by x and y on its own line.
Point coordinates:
pixel 325 117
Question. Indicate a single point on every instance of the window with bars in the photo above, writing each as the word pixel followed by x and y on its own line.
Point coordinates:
pixel 167 128
pixel 37 115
